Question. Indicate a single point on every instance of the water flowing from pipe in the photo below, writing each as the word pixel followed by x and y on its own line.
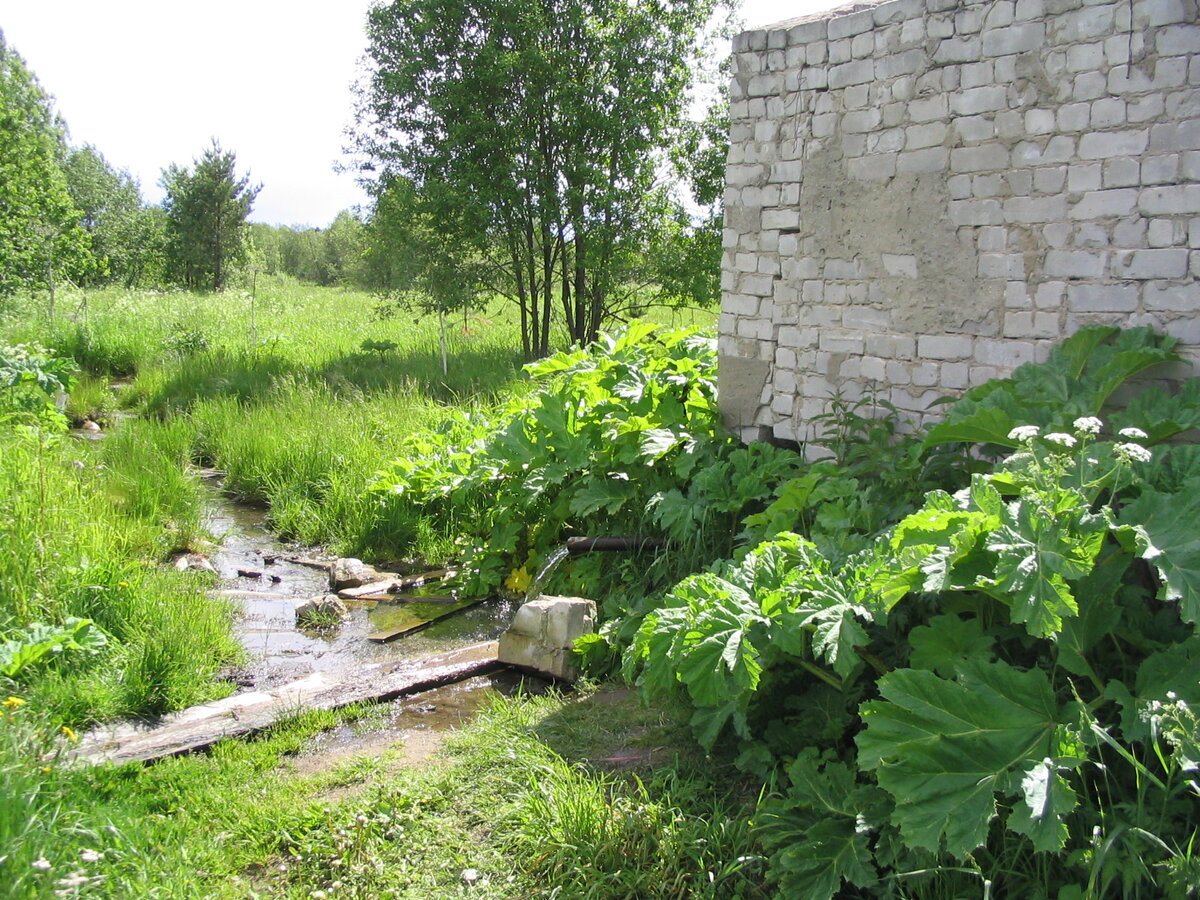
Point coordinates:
pixel 538 584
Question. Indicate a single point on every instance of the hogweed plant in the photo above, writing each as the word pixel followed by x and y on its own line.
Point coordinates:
pixel 1011 668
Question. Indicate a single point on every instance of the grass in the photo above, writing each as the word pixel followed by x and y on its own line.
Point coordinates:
pixel 300 396
pixel 522 796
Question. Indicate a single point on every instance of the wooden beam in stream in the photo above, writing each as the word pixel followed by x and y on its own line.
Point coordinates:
pixel 241 714
pixel 384 637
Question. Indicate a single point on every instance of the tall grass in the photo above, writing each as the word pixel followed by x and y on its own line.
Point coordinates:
pixel 84 528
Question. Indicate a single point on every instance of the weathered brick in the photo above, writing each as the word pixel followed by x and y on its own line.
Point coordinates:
pixel 1014 39
pixel 1144 264
pixel 1103 204
pixel 1099 145
pixel 1170 200
pixel 1082 298
pixel 930 346
pixel 984 158
pixel 1026 210
pixel 1075 263
pixel 931 159
pixel 859 71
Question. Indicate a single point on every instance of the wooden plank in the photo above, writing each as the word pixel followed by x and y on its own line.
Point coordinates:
pixel 375 587
pixel 412 581
pixel 308 563
pixel 404 598
pixel 241 714
pixel 384 637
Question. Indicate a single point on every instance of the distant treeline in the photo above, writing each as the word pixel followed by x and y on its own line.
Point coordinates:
pixel 564 194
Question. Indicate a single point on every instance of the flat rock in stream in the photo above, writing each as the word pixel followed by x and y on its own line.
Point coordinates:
pixel 204 725
pixel 351 573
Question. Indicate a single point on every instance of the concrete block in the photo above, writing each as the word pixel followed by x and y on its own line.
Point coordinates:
pixel 949 347
pixel 860 71
pixel 1085 298
pixel 1103 204
pixel 1146 264
pixel 543 633
pixel 1170 200
pixel 1075 263
pixel 1100 145
pixel 1014 39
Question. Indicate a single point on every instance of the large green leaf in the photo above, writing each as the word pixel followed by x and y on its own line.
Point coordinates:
pixel 1165 533
pixel 948 643
pixel 822 827
pixel 1047 798
pixel 1161 413
pixel 1078 378
pixel 945 749
pixel 1040 546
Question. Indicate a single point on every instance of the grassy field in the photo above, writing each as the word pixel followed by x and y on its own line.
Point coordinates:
pixel 301 395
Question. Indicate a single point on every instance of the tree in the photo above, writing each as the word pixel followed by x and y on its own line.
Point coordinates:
pixel 533 134
pixel 126 241
pixel 206 218
pixel 41 239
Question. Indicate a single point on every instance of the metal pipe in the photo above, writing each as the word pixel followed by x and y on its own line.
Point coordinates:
pixel 578 545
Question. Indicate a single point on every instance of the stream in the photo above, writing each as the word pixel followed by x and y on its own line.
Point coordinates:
pixel 278 650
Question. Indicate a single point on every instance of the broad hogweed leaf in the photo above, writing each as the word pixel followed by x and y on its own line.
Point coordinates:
pixel 944 749
pixel 823 826
pixel 1163 527
pixel 947 643
pixel 1039 547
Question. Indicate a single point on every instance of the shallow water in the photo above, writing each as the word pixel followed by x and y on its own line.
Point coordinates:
pixel 278 650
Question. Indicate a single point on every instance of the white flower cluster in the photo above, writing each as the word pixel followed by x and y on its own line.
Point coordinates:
pixel 1134 434
pixel 1134 452
pixel 1063 440
pixel 1024 433
pixel 1088 425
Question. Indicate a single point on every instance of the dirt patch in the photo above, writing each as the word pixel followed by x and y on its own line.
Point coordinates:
pixel 409 731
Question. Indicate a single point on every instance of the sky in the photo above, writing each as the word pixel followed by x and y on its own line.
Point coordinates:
pixel 152 82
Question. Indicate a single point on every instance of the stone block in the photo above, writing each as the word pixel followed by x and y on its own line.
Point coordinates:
pixel 860 71
pixel 543 633
pixel 948 347
pixel 1086 298
pixel 1170 200
pixel 1146 264
pixel 1103 144
pixel 900 265
pixel 1104 204
pixel 1014 39
pixel 1075 263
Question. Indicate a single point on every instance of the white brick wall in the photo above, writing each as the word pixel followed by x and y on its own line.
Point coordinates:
pixel 924 194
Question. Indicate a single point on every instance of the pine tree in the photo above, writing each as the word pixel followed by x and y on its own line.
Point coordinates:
pixel 206 210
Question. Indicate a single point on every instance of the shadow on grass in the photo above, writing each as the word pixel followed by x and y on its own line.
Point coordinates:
pixel 469 373
pixel 248 377
pixel 220 373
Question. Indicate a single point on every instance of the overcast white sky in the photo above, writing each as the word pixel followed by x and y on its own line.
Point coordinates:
pixel 150 82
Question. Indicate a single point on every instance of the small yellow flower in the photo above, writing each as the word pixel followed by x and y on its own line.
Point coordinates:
pixel 122 584
pixel 46 770
pixel 13 703
pixel 70 733
pixel 518 581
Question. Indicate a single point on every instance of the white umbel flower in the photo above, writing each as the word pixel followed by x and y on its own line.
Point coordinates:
pixel 1024 433
pixel 1135 452
pixel 1063 440
pixel 1135 434
pixel 1088 425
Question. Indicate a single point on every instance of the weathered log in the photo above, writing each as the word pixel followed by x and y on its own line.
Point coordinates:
pixel 202 726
